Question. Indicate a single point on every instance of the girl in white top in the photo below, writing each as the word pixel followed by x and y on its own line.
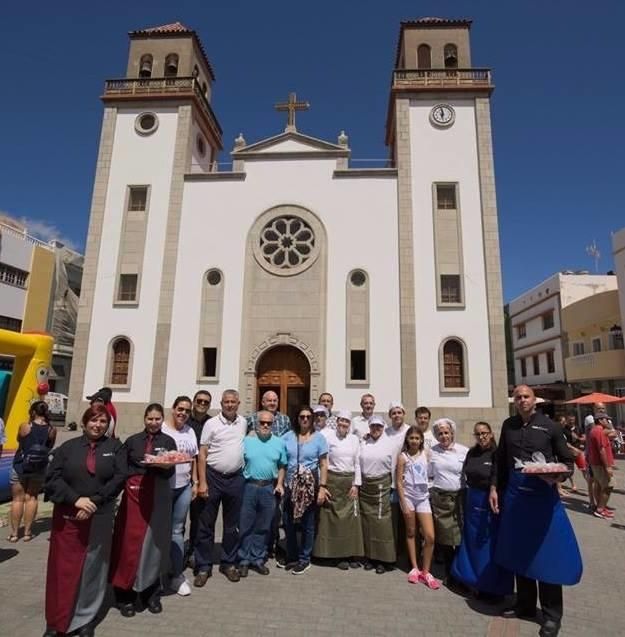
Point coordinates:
pixel 184 487
pixel 412 487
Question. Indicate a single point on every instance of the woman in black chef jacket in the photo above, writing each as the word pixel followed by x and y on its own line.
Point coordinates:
pixel 84 478
pixel 474 564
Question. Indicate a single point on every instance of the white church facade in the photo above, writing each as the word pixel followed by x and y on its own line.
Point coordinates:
pixel 293 270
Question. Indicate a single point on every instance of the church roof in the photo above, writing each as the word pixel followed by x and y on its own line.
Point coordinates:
pixel 174 28
pixel 292 143
pixel 427 22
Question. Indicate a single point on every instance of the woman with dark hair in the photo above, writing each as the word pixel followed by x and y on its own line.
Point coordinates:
pixel 474 564
pixel 84 478
pixel 142 536
pixel 414 500
pixel 184 487
pixel 307 474
pixel 35 439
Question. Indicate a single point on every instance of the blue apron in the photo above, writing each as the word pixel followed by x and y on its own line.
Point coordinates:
pixel 474 562
pixel 536 539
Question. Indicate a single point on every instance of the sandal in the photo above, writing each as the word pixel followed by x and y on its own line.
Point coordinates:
pixel 27 537
pixel 12 538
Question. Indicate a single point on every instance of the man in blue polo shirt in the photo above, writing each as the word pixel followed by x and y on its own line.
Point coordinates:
pixel 264 470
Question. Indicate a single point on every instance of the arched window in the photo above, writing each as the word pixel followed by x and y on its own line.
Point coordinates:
pixel 120 362
pixel 454 365
pixel 451 56
pixel 171 65
pixel 145 66
pixel 424 57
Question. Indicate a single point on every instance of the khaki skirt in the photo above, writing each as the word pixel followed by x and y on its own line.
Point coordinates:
pixel 447 512
pixel 377 523
pixel 339 533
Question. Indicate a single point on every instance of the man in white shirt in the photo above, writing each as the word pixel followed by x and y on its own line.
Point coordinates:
pixel 360 424
pixel 326 399
pixel 422 419
pixel 221 481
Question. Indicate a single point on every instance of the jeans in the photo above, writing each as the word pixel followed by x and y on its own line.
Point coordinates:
pixel 257 512
pixel 306 524
pixel 225 491
pixel 181 500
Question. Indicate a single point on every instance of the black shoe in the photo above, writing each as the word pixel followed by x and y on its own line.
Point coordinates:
pixel 243 570
pixel 489 598
pixel 287 566
pixel 354 564
pixel 261 569
pixel 550 628
pixel 519 613
pixel 369 566
pixel 380 570
pixel 300 567
pixel 154 605
pixel 127 609
pixel 86 631
pixel 230 571
pixel 343 565
pixel 202 576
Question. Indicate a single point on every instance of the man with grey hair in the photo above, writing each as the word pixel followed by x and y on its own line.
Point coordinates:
pixel 360 423
pixel 221 482
pixel 281 422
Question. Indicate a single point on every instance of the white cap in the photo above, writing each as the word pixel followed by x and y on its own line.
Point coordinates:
pixel 376 420
pixel 589 420
pixel 320 409
pixel 345 414
pixel 396 404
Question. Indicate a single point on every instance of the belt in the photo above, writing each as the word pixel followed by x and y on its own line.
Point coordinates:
pixel 260 483
pixel 222 474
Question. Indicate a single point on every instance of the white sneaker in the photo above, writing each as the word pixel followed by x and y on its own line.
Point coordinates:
pixel 184 589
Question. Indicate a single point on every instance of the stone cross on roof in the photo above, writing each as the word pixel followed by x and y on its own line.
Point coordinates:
pixel 291 106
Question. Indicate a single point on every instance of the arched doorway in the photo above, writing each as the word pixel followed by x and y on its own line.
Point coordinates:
pixel 285 370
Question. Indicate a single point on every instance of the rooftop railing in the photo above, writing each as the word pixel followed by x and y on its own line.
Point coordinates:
pixel 442 78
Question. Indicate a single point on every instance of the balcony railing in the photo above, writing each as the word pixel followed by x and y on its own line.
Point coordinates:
pixel 442 78
pixel 596 365
pixel 160 87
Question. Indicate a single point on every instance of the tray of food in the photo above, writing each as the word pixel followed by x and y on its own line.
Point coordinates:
pixel 166 458
pixel 538 465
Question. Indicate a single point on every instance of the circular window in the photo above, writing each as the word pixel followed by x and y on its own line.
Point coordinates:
pixel 146 123
pixel 214 277
pixel 286 240
pixel 201 146
pixel 358 278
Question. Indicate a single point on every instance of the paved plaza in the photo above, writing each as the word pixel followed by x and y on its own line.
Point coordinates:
pixel 328 602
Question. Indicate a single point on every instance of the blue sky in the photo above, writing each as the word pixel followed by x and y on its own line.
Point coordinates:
pixel 557 110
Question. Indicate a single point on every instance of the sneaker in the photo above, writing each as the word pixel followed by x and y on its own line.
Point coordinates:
pixel 301 567
pixel 287 566
pixel 607 513
pixel 598 513
pixel 184 589
pixel 413 576
pixel 430 581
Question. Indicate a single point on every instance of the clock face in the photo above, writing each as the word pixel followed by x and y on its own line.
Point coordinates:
pixel 442 115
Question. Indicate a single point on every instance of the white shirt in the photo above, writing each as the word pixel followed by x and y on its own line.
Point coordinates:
pixel 186 441
pixel 397 437
pixel 376 457
pixel 360 426
pixel 326 432
pixel 344 455
pixel 446 466
pixel 429 440
pixel 225 443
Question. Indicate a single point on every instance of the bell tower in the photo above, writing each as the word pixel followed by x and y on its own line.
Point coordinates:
pixel 438 131
pixel 158 127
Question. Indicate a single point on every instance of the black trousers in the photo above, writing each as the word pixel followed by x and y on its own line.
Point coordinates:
pixel 274 533
pixel 195 511
pixel 550 595
pixel 225 491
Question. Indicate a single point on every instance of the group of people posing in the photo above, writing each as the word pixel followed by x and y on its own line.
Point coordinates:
pixel 351 491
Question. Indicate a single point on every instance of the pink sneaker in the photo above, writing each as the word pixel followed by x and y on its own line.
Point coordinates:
pixel 430 581
pixel 413 576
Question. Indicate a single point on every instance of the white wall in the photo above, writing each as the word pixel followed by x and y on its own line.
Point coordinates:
pixel 199 164
pixel 15 251
pixel 449 155
pixel 12 301
pixel 360 217
pixel 135 160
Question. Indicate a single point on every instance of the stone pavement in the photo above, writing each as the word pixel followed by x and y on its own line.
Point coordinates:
pixel 327 602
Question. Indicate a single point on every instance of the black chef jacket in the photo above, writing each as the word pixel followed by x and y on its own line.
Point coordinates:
pixel 135 450
pixel 479 467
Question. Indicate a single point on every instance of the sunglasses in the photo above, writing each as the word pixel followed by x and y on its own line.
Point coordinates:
pixel 304 417
pixel 482 434
pixel 265 422
pixel 201 401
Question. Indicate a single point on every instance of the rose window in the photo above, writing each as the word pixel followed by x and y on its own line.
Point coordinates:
pixel 287 242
